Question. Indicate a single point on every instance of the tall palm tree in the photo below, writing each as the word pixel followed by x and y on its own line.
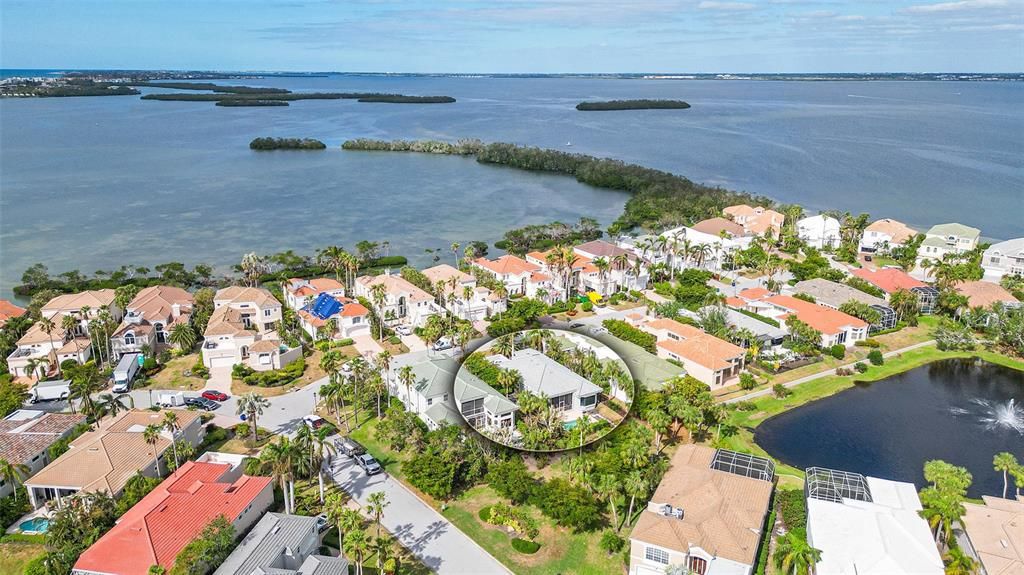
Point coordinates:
pixel 68 323
pixel 607 488
pixel 357 545
pixel 151 435
pixel 636 486
pixel 14 473
pixel 279 457
pixel 252 405
pixel 455 252
pixel 793 556
pixel 406 377
pixel 377 293
pixel 87 381
pixel 505 345
pixel 47 325
pixel 110 404
pixel 508 380
pixel 332 258
pixel 1004 462
pixel 334 507
pixel 959 563
pixel 375 504
pixel 170 423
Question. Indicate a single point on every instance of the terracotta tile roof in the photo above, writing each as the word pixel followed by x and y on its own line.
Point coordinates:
pixel 9 310
pixel 723 513
pixel 303 287
pixel 265 346
pixel 21 440
pixel 696 345
pixel 678 328
pixel 735 302
pixel 754 293
pixel 74 301
pixel 155 302
pixel 225 320
pixel 889 280
pixel 75 345
pixel 444 272
pixel 35 334
pixel 755 220
pixel 601 249
pixel 156 529
pixel 538 277
pixel 827 321
pixel 996 531
pixel 898 231
pixel 396 285
pixel 507 264
pixel 239 294
pixel 714 226
pixel 984 294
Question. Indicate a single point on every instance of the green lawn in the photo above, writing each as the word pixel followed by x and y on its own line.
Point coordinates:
pixel 14 556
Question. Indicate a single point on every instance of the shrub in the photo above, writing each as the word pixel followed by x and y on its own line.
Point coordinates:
pixel 485 514
pixel 511 479
pixel 626 332
pixel 837 351
pixel 860 366
pixel 792 507
pixel 36 566
pixel 587 306
pixel 514 518
pixel 505 326
pixel 745 406
pixel 781 391
pixel 875 357
pixel 611 542
pixel 568 505
pixel 200 370
pixel 747 381
pixel 344 342
pixel 524 546
pixel 868 343
pixel 274 377
pixel 843 371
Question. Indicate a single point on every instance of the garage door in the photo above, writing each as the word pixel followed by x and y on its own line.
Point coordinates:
pixel 222 362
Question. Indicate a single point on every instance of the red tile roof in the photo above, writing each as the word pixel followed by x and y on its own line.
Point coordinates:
pixel 9 310
pixel 823 319
pixel 507 264
pixel 889 280
pixel 754 293
pixel 156 529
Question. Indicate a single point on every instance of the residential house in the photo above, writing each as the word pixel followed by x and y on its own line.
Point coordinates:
pixel 710 360
pixel 149 318
pixel 430 392
pixel 348 317
pixel 9 311
pixel 282 544
pixel 892 280
pixel 516 274
pixel 720 248
pixel 885 234
pixel 834 294
pixel 1001 259
pixel 157 528
pixel 707 515
pixel 867 526
pixel 481 405
pixel 72 304
pixel 651 371
pixel 26 436
pixel 720 227
pixel 299 292
pixel 258 308
pixel 767 337
pixel 106 458
pixel 819 231
pixel 982 294
pixel 945 239
pixel 549 283
pixel 994 534
pixel 835 326
pixel 756 220
pixel 231 339
pixel 455 285
pixel 403 302
pixel 618 276
pixel 47 350
pixel 565 390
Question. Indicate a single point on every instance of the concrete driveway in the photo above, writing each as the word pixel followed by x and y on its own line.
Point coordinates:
pixel 220 379
pixel 413 342
pixel 438 543
pixel 365 345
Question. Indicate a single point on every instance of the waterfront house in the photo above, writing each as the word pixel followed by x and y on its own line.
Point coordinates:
pixel 403 303
pixel 482 405
pixel 334 317
pixel 994 533
pixel 756 220
pixel 710 360
pixel 867 526
pixel 46 350
pixel 430 394
pixel 834 294
pixel 149 318
pixel 9 311
pixel 513 272
pixel 1004 258
pixel 26 436
pixel 257 308
pixel 550 282
pixel 72 305
pixel 281 544
pixel 624 272
pixel 819 231
pixel 720 227
pixel 299 292
pixel 707 515
pixel 453 285
pixel 892 280
pixel 885 234
pixel 835 326
pixel 983 295
pixel 230 340
pixel 565 390
pixel 157 528
pixel 720 248
pixel 947 239
pixel 106 458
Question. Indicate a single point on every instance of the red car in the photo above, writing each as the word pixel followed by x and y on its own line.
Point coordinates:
pixel 215 395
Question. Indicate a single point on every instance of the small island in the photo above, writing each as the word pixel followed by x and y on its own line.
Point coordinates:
pixel 612 105
pixel 251 96
pixel 263 144
pixel 61 88
pixel 400 99
pixel 208 86
pixel 240 103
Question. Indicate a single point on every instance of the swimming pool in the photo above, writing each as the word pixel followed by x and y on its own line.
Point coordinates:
pixel 34 525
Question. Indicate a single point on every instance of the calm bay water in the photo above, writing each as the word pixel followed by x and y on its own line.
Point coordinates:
pixel 947 410
pixel 92 183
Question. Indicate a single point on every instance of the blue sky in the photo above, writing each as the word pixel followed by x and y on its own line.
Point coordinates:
pixel 517 35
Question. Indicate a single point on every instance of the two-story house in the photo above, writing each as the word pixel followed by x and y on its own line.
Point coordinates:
pixel 623 270
pixel 241 331
pixel 299 292
pixel 258 308
pixel 39 352
pixel 403 302
pixel 819 231
pixel 885 234
pixel 330 316
pixel 943 239
pixel 149 318
pixel 710 360
pixel 756 220
pixel 1004 258
pixel 461 295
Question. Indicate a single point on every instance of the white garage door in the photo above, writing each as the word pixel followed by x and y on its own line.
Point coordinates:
pixel 222 362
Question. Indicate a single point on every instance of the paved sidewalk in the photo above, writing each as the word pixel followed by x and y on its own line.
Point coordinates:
pixel 438 543
pixel 821 374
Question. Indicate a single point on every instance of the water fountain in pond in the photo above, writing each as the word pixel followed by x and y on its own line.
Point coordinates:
pixel 996 416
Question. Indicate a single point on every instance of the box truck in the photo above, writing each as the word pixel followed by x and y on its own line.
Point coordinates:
pixel 124 373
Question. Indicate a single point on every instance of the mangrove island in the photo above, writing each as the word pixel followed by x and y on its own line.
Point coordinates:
pixel 612 105
pixel 286 143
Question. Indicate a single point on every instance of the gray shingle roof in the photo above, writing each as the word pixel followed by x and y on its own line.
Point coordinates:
pixel 543 375
pixel 834 294
pixel 275 545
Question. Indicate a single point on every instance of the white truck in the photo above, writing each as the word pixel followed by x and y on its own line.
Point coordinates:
pixel 57 389
pixel 125 371
pixel 171 399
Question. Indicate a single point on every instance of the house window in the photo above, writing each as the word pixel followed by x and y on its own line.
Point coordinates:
pixel 430 401
pixel 697 565
pixel 656 555
pixel 129 338
pixel 588 401
pixel 266 313
pixel 994 259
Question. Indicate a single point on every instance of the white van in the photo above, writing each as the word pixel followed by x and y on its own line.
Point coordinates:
pixel 125 372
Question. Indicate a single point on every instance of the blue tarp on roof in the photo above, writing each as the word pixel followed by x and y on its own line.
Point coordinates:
pixel 325 306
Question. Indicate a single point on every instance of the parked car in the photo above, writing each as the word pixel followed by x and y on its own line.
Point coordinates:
pixel 403 330
pixel 215 395
pixel 321 523
pixel 201 403
pixel 314 421
pixel 442 344
pixel 349 447
pixel 369 464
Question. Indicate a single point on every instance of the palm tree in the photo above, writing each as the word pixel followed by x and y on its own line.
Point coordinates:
pixel 385 552
pixel 377 293
pixel 607 488
pixel 508 380
pixel 357 545
pixel 332 258
pixel 793 556
pixel 334 507
pixel 602 266
pixel 151 435
pixel 47 325
pixel 375 504
pixel 68 323
pixel 455 252
pixel 324 451
pixel 183 335
pixel 253 266
pixel 406 377
pixel 279 457
pixel 33 364
pixel 1004 462
pixel 636 486
pixel 959 563
pixel 87 382
pixel 14 473
pixel 252 405
pixel 170 423
pixel 506 345
pixel 659 422
pixel 110 404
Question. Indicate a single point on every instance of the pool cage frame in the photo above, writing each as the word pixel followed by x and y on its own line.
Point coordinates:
pixel 834 485
pixel 743 464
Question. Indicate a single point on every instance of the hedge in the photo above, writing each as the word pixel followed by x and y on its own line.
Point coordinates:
pixel 524 546
pixel 272 378
pixel 626 332
pixel 758 317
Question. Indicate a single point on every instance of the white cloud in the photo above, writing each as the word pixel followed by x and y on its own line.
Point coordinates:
pixel 726 6
pixel 956 6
